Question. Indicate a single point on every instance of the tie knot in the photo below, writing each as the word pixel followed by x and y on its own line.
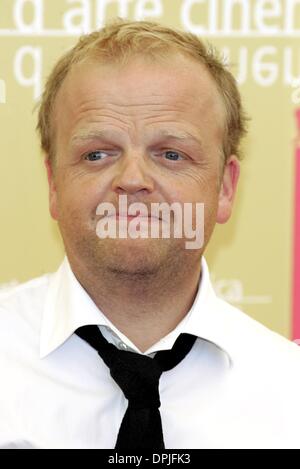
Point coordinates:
pixel 138 377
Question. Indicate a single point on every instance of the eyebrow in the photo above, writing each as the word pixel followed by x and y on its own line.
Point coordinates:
pixel 108 134
pixel 181 135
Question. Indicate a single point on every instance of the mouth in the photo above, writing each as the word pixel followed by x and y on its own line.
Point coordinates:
pixel 126 216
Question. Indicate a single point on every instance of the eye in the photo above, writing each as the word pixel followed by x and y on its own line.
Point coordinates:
pixel 173 155
pixel 95 155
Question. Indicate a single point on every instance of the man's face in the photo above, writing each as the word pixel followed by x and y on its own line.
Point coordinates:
pixel 133 107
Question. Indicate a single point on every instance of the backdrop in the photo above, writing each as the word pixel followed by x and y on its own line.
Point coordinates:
pixel 254 259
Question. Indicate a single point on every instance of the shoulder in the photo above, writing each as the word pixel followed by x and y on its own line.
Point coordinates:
pixel 21 305
pixel 21 294
pixel 250 338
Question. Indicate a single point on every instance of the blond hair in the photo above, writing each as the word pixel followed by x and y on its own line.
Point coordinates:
pixel 119 41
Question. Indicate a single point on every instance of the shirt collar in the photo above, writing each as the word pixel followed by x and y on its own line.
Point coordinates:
pixel 68 307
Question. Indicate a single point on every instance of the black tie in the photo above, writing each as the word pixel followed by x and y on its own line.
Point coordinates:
pixel 138 377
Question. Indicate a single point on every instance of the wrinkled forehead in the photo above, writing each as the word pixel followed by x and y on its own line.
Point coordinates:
pixel 175 82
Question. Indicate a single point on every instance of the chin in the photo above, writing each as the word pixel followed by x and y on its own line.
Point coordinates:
pixel 133 257
pixel 133 270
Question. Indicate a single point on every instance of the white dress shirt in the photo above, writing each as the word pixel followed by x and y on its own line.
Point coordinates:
pixel 239 387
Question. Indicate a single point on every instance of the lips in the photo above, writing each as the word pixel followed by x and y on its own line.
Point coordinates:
pixel 128 216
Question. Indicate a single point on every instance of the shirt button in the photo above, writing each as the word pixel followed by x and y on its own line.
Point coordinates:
pixel 123 346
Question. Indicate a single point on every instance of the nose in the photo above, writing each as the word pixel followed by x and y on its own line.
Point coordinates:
pixel 133 175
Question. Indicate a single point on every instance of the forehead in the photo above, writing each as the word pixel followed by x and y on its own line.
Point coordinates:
pixel 175 89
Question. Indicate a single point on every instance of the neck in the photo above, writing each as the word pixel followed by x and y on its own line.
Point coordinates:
pixel 145 308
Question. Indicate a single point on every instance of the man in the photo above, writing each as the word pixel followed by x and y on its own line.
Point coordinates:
pixel 141 111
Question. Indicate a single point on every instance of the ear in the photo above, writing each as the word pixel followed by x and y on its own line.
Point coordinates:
pixel 228 189
pixel 53 203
